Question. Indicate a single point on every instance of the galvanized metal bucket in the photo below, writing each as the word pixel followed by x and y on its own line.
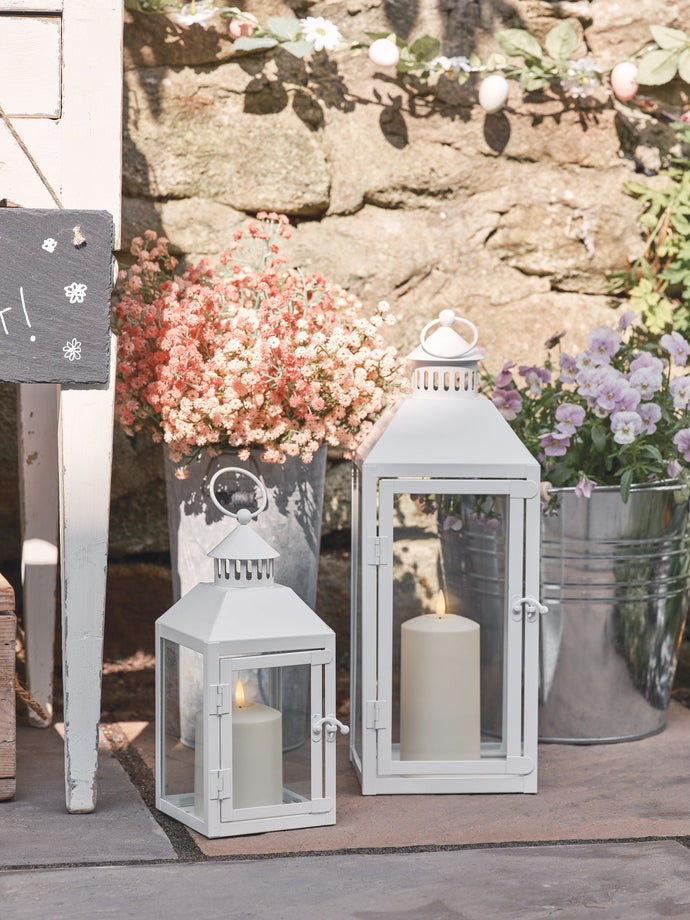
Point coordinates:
pixel 616 580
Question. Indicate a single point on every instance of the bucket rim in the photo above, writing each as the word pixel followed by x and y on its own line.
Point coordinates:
pixel 662 485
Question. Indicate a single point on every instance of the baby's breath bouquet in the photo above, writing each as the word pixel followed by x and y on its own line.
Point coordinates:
pixel 251 355
pixel 615 413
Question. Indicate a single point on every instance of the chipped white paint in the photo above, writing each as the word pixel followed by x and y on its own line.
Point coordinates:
pixel 71 126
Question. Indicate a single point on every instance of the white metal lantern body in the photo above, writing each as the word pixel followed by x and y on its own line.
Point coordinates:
pixel 237 750
pixel 445 570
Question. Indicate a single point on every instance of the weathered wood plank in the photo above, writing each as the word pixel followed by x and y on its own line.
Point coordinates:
pixel 8 719
pixel 6 595
pixel 30 65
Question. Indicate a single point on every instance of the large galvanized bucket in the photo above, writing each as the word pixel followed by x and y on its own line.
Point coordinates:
pixel 616 580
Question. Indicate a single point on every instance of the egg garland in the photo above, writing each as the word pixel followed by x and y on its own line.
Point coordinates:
pixel 624 81
pixel 384 52
pixel 493 93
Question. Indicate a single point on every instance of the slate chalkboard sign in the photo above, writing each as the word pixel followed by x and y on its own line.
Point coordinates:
pixel 55 286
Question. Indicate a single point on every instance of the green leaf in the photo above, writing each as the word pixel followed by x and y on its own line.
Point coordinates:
pixel 684 65
pixel 669 38
pixel 284 28
pixel 425 48
pixel 531 82
pixel 561 41
pixel 298 49
pixel 518 43
pixel 657 67
pixel 598 437
pixel 245 43
pixel 626 482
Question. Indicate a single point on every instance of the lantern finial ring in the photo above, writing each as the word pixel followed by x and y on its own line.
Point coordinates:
pixel 448 318
pixel 242 515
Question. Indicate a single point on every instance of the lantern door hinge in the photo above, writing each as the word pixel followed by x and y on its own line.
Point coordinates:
pixel 223 700
pixel 220 784
pixel 376 714
pixel 377 548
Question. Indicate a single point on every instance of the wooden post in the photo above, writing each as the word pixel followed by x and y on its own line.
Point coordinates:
pixel 8 721
pixel 65 82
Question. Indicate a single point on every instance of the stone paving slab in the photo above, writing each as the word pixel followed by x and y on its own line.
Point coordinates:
pixel 36 829
pixel 618 881
pixel 596 792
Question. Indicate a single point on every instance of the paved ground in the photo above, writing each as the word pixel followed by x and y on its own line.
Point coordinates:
pixel 606 836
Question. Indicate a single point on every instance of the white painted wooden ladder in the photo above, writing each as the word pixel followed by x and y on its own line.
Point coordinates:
pixel 61 88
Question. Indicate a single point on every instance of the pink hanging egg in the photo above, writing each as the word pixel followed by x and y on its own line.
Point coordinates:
pixel 624 81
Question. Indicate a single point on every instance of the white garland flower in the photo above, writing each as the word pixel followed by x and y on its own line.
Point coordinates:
pixel 321 32
pixel 194 13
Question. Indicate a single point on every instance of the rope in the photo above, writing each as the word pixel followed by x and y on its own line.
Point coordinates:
pixel 29 701
pixel 33 162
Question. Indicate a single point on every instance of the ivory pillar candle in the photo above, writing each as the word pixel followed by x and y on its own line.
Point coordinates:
pixel 439 688
pixel 257 753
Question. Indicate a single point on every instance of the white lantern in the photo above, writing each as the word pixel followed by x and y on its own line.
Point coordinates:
pixel 445 575
pixel 240 747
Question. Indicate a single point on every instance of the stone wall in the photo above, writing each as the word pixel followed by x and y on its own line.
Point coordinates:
pixel 403 192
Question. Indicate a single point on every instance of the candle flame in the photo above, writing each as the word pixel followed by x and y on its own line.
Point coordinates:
pixel 440 605
pixel 239 694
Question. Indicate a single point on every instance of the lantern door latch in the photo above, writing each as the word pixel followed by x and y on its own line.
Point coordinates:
pixel 331 725
pixel 532 608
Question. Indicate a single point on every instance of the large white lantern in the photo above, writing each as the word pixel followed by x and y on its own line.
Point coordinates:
pixel 245 695
pixel 445 579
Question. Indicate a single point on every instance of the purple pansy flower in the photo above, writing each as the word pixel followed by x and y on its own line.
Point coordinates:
pixel 568 367
pixel 626 319
pixel 680 391
pixel 584 488
pixel 508 402
pixel 625 427
pixel 650 414
pixel 505 378
pixel 569 417
pixel 647 381
pixel 674 469
pixel 603 343
pixel 682 442
pixel 676 346
pixel 554 443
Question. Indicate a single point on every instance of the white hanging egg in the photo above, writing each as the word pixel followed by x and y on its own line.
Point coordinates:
pixel 493 93
pixel 624 80
pixel 384 52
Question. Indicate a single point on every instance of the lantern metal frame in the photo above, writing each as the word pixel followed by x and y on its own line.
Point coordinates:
pixel 443 439
pixel 242 622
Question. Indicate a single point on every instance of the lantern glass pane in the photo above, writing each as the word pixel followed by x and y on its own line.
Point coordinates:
pixel 448 626
pixel 181 725
pixel 271 738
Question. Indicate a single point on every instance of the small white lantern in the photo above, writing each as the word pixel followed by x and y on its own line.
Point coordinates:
pixel 238 751
pixel 445 577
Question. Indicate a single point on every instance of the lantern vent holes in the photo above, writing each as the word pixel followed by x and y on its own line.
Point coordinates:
pixel 441 381
pixel 244 571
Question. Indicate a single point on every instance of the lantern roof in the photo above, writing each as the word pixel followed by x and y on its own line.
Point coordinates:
pixel 445 344
pixel 441 437
pixel 243 543
pixel 268 617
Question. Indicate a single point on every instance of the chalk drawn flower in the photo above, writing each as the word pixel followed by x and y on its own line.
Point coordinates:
pixel 76 292
pixel 49 245
pixel 72 350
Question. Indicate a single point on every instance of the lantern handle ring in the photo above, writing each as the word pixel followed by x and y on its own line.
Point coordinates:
pixel 242 515
pixel 448 318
